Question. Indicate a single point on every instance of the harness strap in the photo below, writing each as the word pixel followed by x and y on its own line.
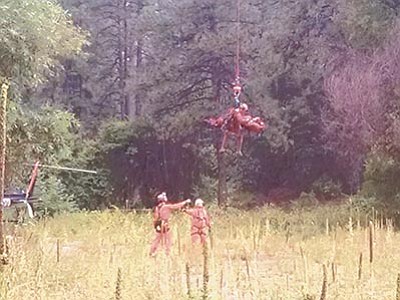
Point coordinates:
pixel 200 231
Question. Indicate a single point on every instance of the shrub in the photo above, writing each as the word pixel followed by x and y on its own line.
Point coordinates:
pixel 305 201
pixel 326 189
pixel 381 187
pixel 206 189
pixel 54 198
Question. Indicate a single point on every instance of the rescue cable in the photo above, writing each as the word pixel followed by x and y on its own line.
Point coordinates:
pixel 237 88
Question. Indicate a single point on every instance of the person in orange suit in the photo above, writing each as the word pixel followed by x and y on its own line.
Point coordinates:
pixel 162 214
pixel 236 121
pixel 200 222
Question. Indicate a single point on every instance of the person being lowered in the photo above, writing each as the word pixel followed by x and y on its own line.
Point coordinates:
pixel 235 122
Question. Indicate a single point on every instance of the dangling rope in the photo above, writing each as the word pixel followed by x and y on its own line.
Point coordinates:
pixel 237 61
pixel 237 88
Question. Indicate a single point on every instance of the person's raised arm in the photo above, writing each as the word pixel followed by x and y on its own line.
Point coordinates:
pixel 178 205
pixel 189 211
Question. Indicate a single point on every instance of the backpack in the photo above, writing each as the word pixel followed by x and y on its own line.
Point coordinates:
pixel 158 222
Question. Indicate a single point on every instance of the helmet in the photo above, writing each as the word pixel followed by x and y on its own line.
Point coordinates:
pixel 6 202
pixel 198 202
pixel 162 197
pixel 244 106
pixel 237 88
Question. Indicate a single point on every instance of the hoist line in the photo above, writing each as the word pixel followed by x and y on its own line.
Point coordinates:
pixel 237 60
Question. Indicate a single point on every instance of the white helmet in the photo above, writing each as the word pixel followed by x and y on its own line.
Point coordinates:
pixel 198 202
pixel 162 197
pixel 6 202
pixel 244 106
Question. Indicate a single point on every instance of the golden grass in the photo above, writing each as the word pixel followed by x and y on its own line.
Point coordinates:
pixel 267 254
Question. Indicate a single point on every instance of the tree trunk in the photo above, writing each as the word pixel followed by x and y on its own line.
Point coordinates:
pixel 139 58
pixel 3 138
pixel 222 187
pixel 123 59
pixel 165 162
pixel 121 74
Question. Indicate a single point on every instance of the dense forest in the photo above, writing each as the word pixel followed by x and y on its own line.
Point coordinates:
pixel 130 82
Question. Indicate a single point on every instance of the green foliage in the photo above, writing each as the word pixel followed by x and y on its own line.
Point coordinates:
pixel 206 189
pixel 33 35
pixel 52 136
pixel 326 189
pixel 175 76
pixel 306 201
pixel 382 182
pixel 118 134
pixel 365 22
pixel 173 62
pixel 47 134
pixel 54 197
pixel 143 159
pixel 87 190
pixel 366 204
pixel 132 152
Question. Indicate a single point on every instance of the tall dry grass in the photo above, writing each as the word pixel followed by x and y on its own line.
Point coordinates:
pixel 265 254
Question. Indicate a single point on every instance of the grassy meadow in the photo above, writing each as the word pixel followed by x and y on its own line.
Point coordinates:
pixel 316 253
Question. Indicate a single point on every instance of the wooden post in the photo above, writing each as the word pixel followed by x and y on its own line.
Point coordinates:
pixel 3 138
pixel 58 250
pixel 371 242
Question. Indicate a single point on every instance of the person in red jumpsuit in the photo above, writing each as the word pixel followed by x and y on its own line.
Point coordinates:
pixel 200 222
pixel 235 122
pixel 162 213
